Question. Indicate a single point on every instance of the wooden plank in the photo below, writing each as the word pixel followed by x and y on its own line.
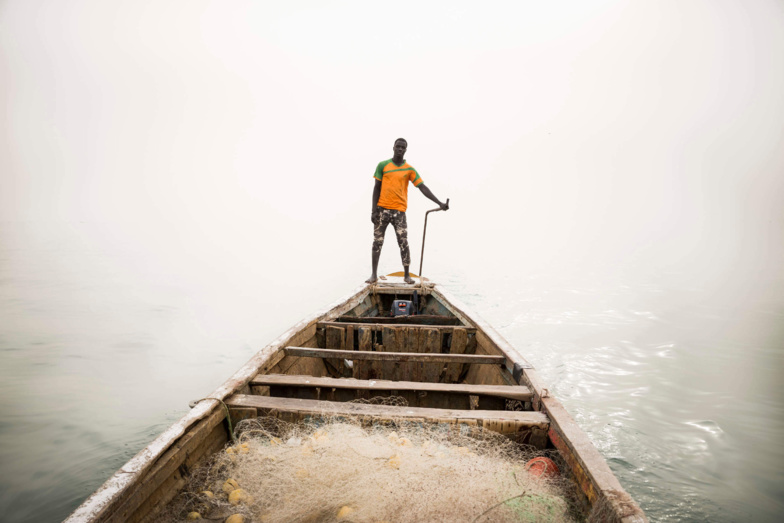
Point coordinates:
pixel 489 375
pixel 389 343
pixel 518 392
pixel 361 309
pixel 382 326
pixel 471 345
pixel 237 414
pixel 349 346
pixel 408 341
pixel 399 288
pixel 415 370
pixel 159 498
pixel 495 419
pixel 336 339
pixel 419 319
pixel 350 337
pixel 458 346
pixel 362 368
pixel 305 352
pixel 184 455
pixel 431 372
pixel 487 336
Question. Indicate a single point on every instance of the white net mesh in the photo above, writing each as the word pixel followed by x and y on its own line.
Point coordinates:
pixel 348 470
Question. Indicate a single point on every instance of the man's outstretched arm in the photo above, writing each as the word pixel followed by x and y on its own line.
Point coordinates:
pixel 422 187
pixel 376 195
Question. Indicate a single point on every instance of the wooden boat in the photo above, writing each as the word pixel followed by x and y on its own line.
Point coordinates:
pixel 448 363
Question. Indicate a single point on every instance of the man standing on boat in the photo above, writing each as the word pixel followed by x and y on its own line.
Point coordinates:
pixel 390 201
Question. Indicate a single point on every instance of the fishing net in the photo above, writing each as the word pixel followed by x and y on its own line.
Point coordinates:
pixel 358 470
pixel 613 507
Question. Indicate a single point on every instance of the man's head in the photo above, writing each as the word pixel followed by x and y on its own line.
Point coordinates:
pixel 400 148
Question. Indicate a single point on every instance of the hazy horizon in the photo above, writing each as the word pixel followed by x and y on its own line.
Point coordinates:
pixel 181 181
pixel 630 129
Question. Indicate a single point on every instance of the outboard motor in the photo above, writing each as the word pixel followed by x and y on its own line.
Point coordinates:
pixel 402 308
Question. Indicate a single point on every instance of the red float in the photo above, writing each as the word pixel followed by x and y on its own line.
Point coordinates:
pixel 542 467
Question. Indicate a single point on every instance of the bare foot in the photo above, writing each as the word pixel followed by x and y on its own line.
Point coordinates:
pixel 372 279
pixel 408 279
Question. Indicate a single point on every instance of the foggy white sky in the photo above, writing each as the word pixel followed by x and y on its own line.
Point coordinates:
pixel 558 129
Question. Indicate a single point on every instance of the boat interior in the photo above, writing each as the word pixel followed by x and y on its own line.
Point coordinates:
pixel 358 359
pixel 402 342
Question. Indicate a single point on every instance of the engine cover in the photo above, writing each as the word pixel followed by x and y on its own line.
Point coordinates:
pixel 402 308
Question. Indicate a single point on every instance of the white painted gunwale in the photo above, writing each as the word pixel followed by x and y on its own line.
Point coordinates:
pixel 137 466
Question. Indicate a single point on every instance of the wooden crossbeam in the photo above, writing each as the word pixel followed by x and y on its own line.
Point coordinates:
pixel 382 326
pixel 307 352
pixel 419 319
pixel 499 420
pixel 283 380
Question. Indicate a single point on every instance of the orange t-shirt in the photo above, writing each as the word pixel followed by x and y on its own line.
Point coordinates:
pixel 394 184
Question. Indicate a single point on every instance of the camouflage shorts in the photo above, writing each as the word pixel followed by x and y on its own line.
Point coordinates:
pixel 398 220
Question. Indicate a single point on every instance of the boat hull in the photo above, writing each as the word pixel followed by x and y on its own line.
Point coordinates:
pixel 152 478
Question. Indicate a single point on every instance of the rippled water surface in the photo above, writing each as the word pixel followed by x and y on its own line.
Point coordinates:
pixel 676 378
pixel 678 387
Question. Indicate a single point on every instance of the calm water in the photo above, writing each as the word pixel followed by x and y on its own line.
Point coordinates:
pixel 676 376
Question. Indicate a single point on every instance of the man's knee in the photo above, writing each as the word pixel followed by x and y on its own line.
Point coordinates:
pixel 402 240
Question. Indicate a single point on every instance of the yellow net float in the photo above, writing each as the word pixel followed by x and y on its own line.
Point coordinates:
pixel 230 485
pixel 238 496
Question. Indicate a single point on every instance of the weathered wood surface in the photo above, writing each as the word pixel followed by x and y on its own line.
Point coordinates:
pixel 382 326
pixel 419 319
pixel 494 418
pixel 133 480
pixel 155 494
pixel 457 346
pixel 104 503
pixel 486 334
pixel 390 341
pixel 395 285
pixel 430 343
pixel 518 392
pixel 239 414
pixel 169 474
pixel 350 337
pixel 362 368
pixel 305 352
pixel 395 338
pixel 413 370
pixel 365 306
pixel 402 339
pixel 336 340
